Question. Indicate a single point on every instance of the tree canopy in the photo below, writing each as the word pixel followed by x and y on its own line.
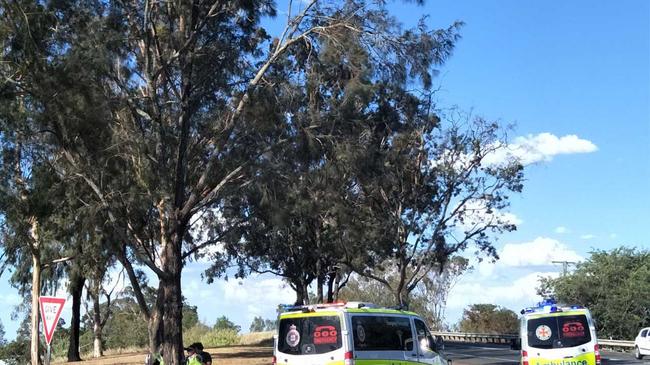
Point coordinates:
pixel 151 133
pixel 609 283
pixel 489 318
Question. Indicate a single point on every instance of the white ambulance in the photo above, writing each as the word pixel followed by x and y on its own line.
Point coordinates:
pixel 556 335
pixel 353 334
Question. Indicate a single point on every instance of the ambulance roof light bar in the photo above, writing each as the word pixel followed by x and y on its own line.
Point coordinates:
pixel 312 307
pixel 548 305
pixel 307 307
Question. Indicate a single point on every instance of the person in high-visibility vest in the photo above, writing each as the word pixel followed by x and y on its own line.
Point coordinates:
pixel 193 356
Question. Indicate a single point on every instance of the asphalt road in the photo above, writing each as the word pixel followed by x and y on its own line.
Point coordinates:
pixel 489 354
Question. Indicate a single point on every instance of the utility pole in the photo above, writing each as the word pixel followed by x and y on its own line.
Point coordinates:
pixel 565 265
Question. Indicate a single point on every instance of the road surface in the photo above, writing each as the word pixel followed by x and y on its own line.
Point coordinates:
pixel 488 354
pixel 459 353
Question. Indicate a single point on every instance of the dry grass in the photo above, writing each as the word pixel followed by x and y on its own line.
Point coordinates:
pixel 239 355
pixel 254 349
pixel 257 338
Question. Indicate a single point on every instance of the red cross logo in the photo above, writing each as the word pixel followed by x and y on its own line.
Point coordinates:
pixel 543 332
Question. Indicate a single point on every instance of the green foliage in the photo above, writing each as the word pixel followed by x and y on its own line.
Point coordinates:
pixel 613 285
pixel 220 337
pixel 223 323
pixel 428 299
pixel 124 328
pixel 3 341
pixel 59 345
pixel 257 325
pixel 196 333
pixel 260 324
pixel 270 325
pixel 309 155
pixel 488 318
pixel 190 316
pixel 15 352
pixel 211 337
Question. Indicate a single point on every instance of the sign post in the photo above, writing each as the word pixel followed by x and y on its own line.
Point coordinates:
pixel 51 308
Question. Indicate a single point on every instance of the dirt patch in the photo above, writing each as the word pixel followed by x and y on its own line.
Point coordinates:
pixel 241 355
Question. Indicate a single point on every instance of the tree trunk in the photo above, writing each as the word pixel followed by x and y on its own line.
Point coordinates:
pixel 76 289
pixel 305 291
pixel 36 292
pixel 154 326
pixel 331 279
pixel 300 298
pixel 320 282
pixel 97 323
pixel 170 303
pixel 152 316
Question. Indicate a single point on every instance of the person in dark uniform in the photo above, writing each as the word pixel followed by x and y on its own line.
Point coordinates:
pixel 207 359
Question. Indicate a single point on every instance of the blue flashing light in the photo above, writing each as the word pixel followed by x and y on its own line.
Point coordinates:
pixel 289 307
pixel 577 307
pixel 547 302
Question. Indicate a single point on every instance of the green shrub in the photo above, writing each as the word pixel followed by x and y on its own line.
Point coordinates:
pixel 220 337
pixel 195 333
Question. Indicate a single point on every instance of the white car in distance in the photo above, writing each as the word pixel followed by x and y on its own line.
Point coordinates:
pixel 642 343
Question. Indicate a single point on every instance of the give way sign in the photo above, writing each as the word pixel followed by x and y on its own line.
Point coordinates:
pixel 51 309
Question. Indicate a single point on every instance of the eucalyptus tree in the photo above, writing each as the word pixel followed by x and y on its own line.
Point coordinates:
pixel 352 90
pixel 29 193
pixel 435 191
pixel 167 111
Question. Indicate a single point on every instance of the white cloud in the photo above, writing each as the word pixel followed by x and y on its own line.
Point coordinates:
pixel 540 251
pixel 561 230
pixel 512 281
pixel 238 299
pixel 588 236
pixel 542 147
pixel 613 236
pixel 272 290
pixel 513 293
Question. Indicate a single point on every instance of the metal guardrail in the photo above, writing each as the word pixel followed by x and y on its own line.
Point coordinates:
pixel 477 337
pixel 616 343
pixel 508 339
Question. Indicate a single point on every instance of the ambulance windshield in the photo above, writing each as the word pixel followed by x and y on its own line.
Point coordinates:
pixel 558 331
pixel 309 335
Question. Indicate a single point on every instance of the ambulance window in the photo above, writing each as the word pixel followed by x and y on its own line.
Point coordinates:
pixel 558 332
pixel 644 333
pixel 382 333
pixel 425 340
pixel 309 335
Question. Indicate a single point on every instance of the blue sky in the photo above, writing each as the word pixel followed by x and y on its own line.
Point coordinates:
pixel 575 78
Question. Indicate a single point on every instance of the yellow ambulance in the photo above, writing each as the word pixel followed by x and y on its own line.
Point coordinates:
pixel 558 335
pixel 353 333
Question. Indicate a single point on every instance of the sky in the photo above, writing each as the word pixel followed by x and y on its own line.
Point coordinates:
pixel 574 78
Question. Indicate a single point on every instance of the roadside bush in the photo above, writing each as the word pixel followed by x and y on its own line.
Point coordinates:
pixel 15 352
pixel 195 333
pixel 220 337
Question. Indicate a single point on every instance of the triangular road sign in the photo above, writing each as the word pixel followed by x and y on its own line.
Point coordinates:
pixel 51 309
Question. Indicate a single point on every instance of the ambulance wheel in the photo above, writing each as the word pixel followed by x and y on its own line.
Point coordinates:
pixel 637 353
